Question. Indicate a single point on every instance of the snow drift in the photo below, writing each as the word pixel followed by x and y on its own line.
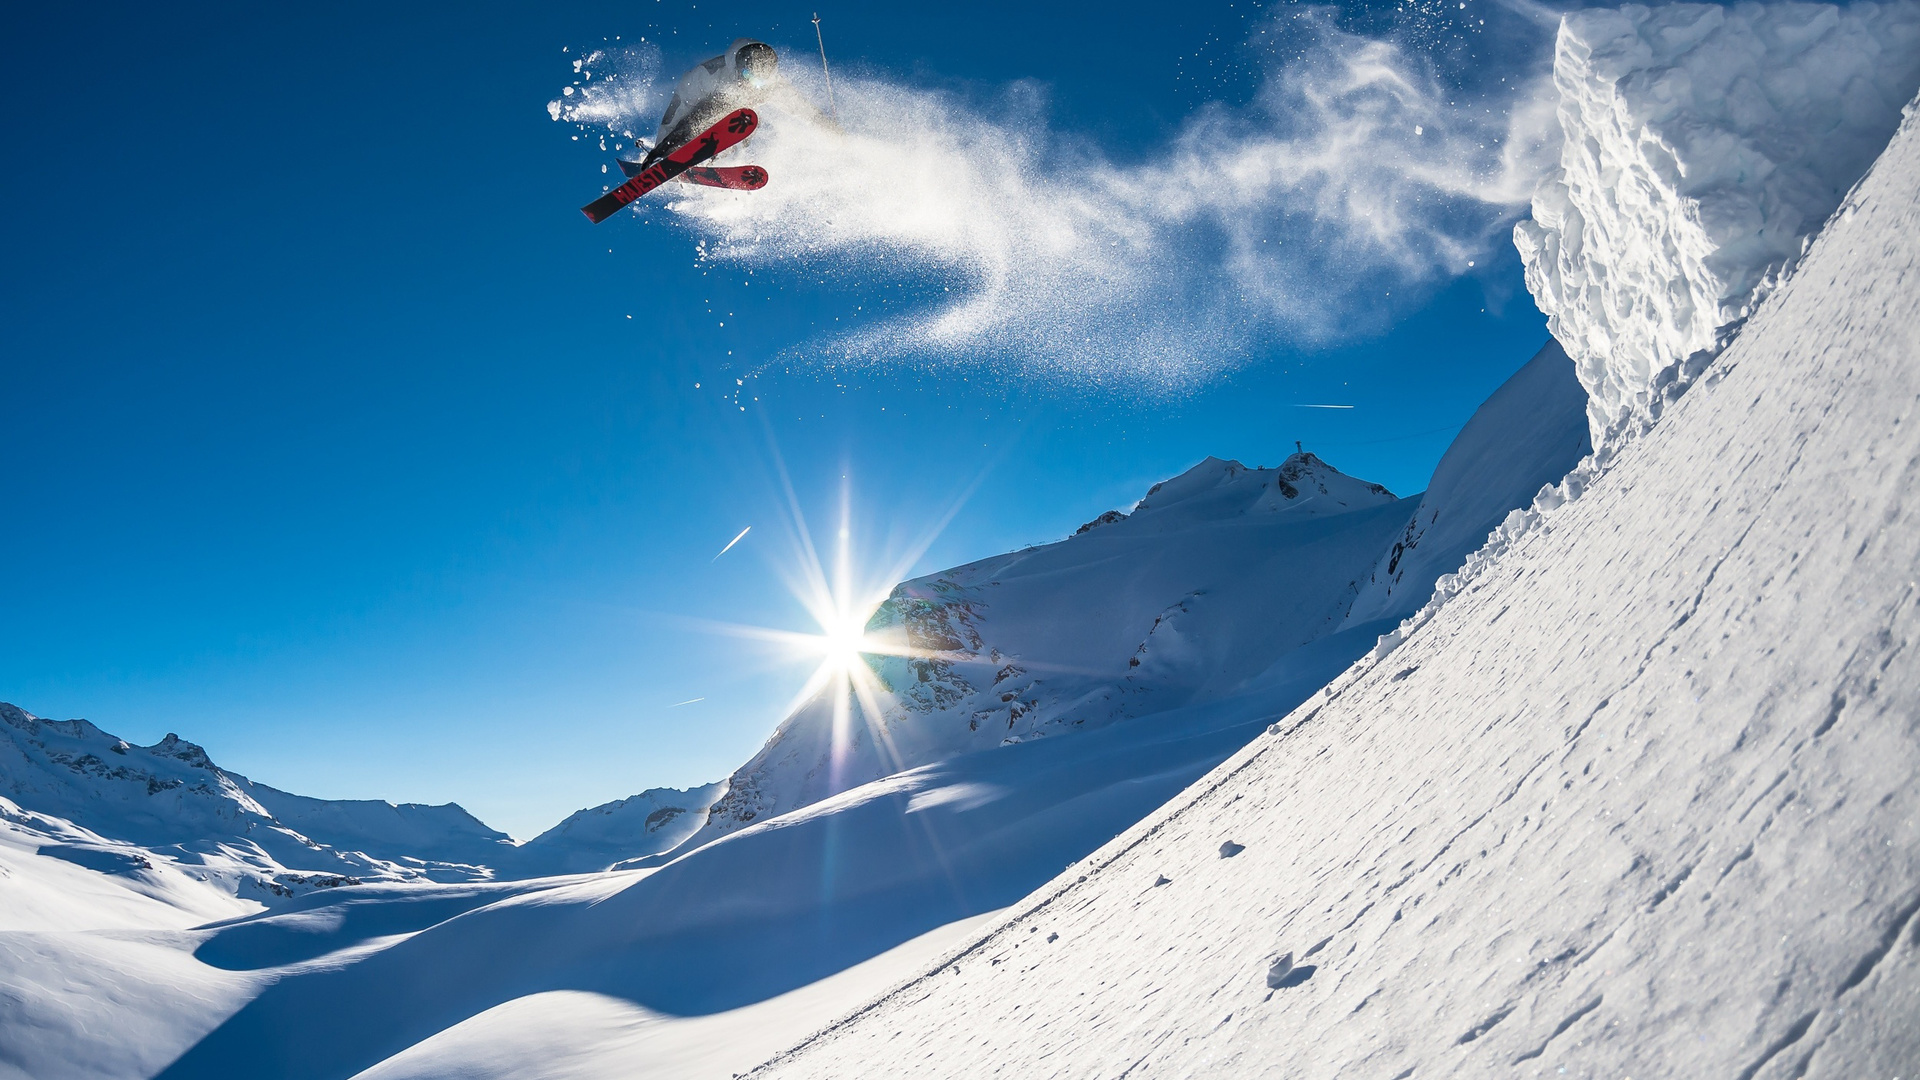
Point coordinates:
pixel 1701 146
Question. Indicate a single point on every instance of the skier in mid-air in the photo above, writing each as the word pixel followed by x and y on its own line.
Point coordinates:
pixel 710 111
pixel 744 75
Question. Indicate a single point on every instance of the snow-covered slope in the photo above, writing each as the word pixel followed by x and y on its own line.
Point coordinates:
pixel 741 946
pixel 761 913
pixel 1702 144
pixel 56 876
pixel 599 837
pixel 1527 435
pixel 1638 801
pixel 786 902
pixel 1214 577
pixel 262 843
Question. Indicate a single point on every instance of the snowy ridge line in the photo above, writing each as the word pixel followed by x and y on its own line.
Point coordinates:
pixel 1100 859
pixel 1700 368
pixel 1213 576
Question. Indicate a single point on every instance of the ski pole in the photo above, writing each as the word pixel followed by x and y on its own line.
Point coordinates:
pixel 835 113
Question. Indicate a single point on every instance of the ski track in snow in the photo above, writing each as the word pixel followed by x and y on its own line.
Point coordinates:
pixel 1639 802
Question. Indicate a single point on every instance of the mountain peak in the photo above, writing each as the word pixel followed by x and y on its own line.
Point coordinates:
pixel 25 721
pixel 173 746
pixel 1222 487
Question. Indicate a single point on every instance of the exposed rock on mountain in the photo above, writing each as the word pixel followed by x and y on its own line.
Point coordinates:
pixel 1213 578
pixel 172 799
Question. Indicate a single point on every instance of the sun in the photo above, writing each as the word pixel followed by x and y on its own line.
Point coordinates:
pixel 843 641
pixel 841 595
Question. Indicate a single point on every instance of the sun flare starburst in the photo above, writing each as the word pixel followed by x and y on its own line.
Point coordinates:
pixel 842 596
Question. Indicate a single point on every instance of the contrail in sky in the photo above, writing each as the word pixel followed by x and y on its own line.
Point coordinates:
pixel 730 543
pixel 689 701
pixel 1300 406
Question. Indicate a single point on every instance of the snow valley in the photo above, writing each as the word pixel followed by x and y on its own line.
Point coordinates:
pixel 1596 756
pixel 1051 698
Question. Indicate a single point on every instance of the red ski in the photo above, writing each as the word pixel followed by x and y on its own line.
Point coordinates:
pixel 731 177
pixel 731 130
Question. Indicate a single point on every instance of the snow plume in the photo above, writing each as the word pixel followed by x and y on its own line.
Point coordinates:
pixel 615 89
pixel 1355 179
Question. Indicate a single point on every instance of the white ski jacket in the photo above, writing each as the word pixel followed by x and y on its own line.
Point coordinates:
pixel 715 84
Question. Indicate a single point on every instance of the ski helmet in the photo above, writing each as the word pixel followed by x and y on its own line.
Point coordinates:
pixel 754 62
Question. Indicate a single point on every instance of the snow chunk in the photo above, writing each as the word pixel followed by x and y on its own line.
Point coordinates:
pixel 1278 971
pixel 1703 145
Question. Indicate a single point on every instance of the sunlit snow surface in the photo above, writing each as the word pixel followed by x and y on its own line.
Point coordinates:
pixel 1640 802
pixel 1636 801
pixel 1703 144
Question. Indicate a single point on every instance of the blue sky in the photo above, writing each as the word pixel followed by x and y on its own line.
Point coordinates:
pixel 332 446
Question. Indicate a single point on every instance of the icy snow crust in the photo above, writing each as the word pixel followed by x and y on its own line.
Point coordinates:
pixel 1638 802
pixel 1702 145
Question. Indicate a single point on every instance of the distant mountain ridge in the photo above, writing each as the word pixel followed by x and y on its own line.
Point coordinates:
pixel 638 826
pixel 172 798
pixel 1202 589
pixel 1212 578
